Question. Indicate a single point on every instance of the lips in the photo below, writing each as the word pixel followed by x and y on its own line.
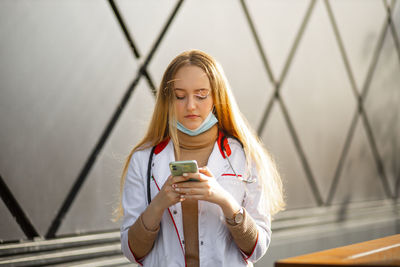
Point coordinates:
pixel 191 116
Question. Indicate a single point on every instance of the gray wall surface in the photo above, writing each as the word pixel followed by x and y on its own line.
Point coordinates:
pixel 66 65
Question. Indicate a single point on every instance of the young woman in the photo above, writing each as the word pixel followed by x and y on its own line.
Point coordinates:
pixel 224 218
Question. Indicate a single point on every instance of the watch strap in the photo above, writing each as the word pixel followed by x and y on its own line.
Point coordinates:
pixel 232 220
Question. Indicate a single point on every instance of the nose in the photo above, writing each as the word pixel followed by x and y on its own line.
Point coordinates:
pixel 191 105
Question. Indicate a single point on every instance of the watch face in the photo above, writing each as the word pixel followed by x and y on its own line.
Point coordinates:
pixel 239 218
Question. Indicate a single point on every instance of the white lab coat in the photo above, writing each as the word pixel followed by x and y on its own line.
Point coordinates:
pixel 216 245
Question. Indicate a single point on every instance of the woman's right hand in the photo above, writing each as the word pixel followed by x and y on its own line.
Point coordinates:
pixel 163 200
pixel 167 195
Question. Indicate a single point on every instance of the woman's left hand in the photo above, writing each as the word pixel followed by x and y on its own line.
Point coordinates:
pixel 207 189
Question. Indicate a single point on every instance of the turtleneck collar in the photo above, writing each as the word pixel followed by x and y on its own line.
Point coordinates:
pixel 200 141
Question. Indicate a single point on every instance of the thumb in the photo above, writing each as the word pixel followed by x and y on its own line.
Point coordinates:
pixel 204 170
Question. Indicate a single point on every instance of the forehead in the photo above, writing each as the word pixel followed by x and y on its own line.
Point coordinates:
pixel 191 77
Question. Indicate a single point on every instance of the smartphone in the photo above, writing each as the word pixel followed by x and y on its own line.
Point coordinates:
pixel 180 167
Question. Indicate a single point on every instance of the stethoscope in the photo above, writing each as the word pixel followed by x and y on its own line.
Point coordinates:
pixel 245 180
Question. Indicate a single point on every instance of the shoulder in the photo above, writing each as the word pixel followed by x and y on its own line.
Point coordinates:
pixel 237 150
pixel 140 158
pixel 141 153
pixel 235 143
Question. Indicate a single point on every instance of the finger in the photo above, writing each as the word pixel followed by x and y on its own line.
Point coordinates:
pixel 178 179
pixel 190 184
pixel 204 170
pixel 196 176
pixel 169 180
pixel 190 191
pixel 192 175
pixel 178 197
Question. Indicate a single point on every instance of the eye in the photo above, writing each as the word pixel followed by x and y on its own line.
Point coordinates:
pixel 200 97
pixel 180 96
pixel 202 94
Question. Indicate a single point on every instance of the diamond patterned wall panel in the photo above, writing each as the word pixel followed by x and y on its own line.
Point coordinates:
pixel 319 97
pixel 271 19
pixel 145 20
pixel 100 193
pixel 396 18
pixel 8 223
pixel 67 66
pixel 319 80
pixel 383 109
pixel 359 180
pixel 280 144
pixel 359 35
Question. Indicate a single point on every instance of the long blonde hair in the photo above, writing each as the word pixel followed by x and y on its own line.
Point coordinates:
pixel 230 120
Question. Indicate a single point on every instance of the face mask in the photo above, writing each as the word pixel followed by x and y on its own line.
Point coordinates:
pixel 207 124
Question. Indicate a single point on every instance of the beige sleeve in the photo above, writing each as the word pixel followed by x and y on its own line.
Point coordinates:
pixel 245 233
pixel 141 239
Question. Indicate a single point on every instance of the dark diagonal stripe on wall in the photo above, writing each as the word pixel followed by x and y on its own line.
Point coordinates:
pixel 276 96
pixel 389 9
pixel 258 43
pixel 92 158
pixel 16 210
pixel 360 111
pixel 286 67
pixel 131 43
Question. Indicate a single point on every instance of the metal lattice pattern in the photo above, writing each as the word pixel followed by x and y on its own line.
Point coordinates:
pixel 359 92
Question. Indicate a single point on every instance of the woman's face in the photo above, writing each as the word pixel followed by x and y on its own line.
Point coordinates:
pixel 192 96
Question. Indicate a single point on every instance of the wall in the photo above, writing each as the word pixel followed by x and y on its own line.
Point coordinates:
pixel 318 80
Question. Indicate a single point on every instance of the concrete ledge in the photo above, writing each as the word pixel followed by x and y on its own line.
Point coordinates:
pixel 40 245
pixel 60 256
pixel 295 232
pixel 328 228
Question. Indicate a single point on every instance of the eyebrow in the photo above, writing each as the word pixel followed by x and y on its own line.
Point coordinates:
pixel 181 89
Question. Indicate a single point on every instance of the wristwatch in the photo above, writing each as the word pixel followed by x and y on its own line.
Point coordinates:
pixel 237 217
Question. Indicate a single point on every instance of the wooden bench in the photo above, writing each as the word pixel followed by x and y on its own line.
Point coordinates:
pixel 378 252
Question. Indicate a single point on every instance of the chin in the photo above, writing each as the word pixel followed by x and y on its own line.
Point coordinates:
pixel 192 127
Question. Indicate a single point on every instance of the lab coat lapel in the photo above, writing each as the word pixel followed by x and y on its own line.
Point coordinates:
pixel 216 163
pixel 161 174
pixel 162 160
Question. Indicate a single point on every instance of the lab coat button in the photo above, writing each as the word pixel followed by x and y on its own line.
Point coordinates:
pixel 175 212
pixel 201 243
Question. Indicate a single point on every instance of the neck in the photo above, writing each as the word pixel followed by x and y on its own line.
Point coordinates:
pixel 199 141
pixel 197 147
